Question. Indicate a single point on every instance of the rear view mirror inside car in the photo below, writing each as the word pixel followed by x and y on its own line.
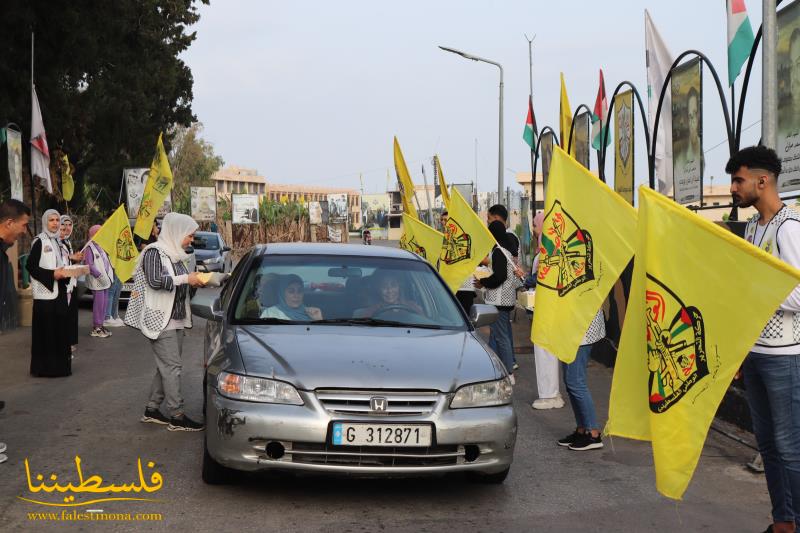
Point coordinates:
pixel 344 272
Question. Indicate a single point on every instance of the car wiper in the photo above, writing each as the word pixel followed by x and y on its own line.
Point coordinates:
pixel 366 321
pixel 268 320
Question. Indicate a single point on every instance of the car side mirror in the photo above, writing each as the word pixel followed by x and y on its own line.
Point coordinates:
pixel 226 248
pixel 482 315
pixel 206 304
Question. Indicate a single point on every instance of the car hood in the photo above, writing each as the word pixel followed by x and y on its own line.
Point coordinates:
pixel 359 357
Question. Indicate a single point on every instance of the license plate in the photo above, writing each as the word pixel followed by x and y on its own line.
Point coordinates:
pixel 346 434
pixel 127 287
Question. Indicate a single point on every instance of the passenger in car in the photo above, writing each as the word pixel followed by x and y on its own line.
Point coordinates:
pixel 390 297
pixel 290 302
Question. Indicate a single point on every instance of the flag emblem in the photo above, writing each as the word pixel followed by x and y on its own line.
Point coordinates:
pixel 125 248
pixel 412 245
pixel 457 244
pixel 625 128
pixel 676 353
pixel 566 252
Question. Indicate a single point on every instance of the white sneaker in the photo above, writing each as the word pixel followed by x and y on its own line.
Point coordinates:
pixel 3 447
pixel 113 323
pixel 548 403
pixel 511 379
pixel 98 332
pixel 120 323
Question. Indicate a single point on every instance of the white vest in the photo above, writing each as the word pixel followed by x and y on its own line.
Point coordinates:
pixel 106 272
pixel 783 329
pixel 506 294
pixel 150 310
pixel 50 259
pixel 66 251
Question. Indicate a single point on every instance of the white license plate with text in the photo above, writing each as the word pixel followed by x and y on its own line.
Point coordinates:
pixel 364 434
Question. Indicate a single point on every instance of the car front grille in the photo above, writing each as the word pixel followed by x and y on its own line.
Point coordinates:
pixel 383 456
pixel 398 403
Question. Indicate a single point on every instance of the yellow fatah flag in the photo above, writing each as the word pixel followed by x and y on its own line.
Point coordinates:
pixel 587 241
pixel 159 183
pixel 694 313
pixel 67 183
pixel 404 178
pixel 442 183
pixel 421 239
pixel 565 119
pixel 116 238
pixel 467 242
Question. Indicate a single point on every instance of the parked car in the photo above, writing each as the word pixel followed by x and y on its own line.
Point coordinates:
pixel 388 378
pixel 211 253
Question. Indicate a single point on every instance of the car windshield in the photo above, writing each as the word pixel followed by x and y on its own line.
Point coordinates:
pixel 349 290
pixel 207 241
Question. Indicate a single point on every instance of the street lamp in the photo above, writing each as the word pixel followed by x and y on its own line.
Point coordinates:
pixel 500 149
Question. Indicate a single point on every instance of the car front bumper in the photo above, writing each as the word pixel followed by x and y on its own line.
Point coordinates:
pixel 239 435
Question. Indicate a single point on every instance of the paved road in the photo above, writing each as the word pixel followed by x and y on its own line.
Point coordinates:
pixel 94 414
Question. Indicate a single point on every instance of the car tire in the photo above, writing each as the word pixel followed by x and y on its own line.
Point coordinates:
pixel 491 479
pixel 213 472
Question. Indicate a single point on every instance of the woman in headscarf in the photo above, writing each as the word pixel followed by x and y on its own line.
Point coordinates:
pixel 390 297
pixel 290 302
pixel 546 363
pixel 50 342
pixel 159 308
pixel 70 256
pixel 99 279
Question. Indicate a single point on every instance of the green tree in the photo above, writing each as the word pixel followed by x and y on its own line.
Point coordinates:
pixel 109 78
pixel 193 162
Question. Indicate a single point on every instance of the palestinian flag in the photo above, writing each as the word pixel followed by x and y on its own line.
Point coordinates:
pixel 529 135
pixel 740 38
pixel 600 115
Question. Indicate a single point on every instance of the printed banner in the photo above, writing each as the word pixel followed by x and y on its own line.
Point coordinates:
pixel 546 153
pixel 314 213
pixel 687 132
pixel 14 143
pixel 623 145
pixel 334 234
pixel 376 210
pixel 789 97
pixel 135 180
pixel 245 208
pixel 337 208
pixel 580 139
pixel 204 203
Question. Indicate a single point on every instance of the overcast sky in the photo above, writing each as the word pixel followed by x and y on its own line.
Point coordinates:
pixel 312 92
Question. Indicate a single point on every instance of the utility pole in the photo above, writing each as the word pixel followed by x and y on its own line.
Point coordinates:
pixel 769 76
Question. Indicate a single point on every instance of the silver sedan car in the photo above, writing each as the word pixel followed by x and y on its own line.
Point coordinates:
pixel 349 359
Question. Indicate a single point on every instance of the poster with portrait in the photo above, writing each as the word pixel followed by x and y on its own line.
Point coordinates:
pixel 244 208
pixel 314 213
pixel 323 207
pixel 788 53
pixel 337 208
pixel 546 154
pixel 135 179
pixel 204 203
pixel 580 138
pixel 334 234
pixel 14 145
pixel 623 145
pixel 687 132
pixel 376 210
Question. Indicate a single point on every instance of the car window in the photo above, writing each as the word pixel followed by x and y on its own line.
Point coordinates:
pixel 336 289
pixel 227 290
pixel 205 242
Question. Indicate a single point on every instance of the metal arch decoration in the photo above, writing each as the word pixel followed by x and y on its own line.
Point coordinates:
pixel 604 141
pixel 572 123
pixel 723 101
pixel 537 152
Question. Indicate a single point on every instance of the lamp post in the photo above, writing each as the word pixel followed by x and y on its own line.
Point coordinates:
pixel 500 149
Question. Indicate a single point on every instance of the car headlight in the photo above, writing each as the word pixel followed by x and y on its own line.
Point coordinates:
pixel 254 389
pixel 483 394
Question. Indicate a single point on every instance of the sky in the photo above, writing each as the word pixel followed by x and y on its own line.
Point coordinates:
pixel 312 92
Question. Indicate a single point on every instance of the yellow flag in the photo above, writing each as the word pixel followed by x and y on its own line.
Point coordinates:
pixel 467 242
pixel 116 239
pixel 159 183
pixel 693 315
pixel 442 183
pixel 587 241
pixel 565 119
pixel 406 185
pixel 67 183
pixel 421 239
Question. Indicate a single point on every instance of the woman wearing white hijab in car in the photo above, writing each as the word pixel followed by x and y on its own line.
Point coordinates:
pixel 159 308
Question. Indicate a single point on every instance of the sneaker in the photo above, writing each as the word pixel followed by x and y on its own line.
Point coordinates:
pixel 110 323
pixel 154 416
pixel 119 322
pixel 184 423
pixel 511 379
pixel 3 447
pixel 98 332
pixel 569 439
pixel 548 403
pixel 585 441
pixel 108 333
pixel 515 366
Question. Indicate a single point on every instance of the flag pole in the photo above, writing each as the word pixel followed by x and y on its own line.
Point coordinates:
pixel 33 186
pixel 530 106
pixel 427 196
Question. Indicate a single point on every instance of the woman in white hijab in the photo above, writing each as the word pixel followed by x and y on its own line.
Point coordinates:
pixel 159 308
pixel 70 256
pixel 51 331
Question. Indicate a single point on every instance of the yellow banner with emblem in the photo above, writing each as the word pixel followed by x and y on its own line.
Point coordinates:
pixel 116 238
pixel 421 239
pixel 442 183
pixel 404 178
pixel 587 241
pixel 693 315
pixel 158 185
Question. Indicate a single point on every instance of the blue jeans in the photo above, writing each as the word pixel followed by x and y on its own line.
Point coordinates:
pixel 773 392
pixel 112 307
pixel 500 339
pixel 579 396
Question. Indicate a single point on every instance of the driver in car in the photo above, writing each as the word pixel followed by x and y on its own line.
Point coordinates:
pixel 290 302
pixel 390 299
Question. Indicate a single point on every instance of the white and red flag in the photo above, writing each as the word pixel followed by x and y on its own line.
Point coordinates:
pixel 40 154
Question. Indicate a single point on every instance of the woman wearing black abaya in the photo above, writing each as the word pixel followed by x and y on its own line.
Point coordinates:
pixel 51 335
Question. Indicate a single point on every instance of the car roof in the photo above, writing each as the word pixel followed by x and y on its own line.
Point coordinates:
pixel 206 233
pixel 310 248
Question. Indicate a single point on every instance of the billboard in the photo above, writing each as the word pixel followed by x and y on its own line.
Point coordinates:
pixel 623 145
pixel 244 208
pixel 376 210
pixel 788 53
pixel 687 132
pixel 580 139
pixel 204 203
pixel 135 179
pixel 546 153
pixel 337 208
pixel 314 213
